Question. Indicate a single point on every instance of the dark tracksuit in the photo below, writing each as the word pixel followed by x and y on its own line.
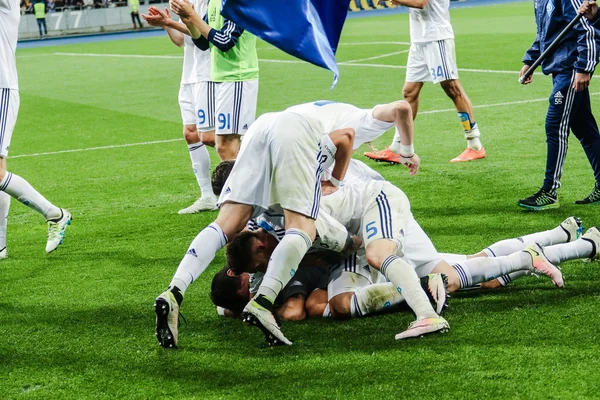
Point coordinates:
pixel 568 109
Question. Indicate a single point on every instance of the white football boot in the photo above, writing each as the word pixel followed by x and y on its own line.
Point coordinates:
pixel 256 315
pixel 573 228
pixel 56 231
pixel 167 319
pixel 3 254
pixel 434 286
pixel 424 326
pixel 592 235
pixel 202 204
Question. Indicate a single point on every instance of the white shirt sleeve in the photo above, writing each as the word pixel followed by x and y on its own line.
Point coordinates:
pixel 331 234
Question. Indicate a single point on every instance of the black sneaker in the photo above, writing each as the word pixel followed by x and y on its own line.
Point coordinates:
pixel 542 200
pixel 592 198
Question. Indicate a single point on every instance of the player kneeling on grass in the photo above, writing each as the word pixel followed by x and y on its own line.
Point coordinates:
pixel 280 163
pixel 12 185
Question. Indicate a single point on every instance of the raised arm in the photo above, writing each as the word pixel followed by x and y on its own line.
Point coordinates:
pixel 175 30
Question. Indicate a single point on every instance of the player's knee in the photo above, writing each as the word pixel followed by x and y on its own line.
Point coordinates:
pixel 452 88
pixel 190 133
pixel 208 138
pixel 293 309
pixel 316 303
pixel 339 307
pixel 375 258
pixel 402 110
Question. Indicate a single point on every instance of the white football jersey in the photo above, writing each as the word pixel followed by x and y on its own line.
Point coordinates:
pixel 432 23
pixel 333 116
pixel 9 28
pixel 196 62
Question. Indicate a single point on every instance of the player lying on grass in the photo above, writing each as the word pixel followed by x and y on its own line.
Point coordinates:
pixel 378 212
pixel 279 163
pixel 306 294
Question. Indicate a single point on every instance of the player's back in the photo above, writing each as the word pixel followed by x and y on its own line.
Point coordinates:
pixel 346 205
pixel 9 27
pixel 332 115
pixel 431 23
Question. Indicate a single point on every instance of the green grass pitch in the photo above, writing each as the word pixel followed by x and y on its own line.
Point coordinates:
pixel 79 323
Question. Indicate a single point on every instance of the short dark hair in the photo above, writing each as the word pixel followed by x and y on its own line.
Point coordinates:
pixel 224 291
pixel 220 175
pixel 239 252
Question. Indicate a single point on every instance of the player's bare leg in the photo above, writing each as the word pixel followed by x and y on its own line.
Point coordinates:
pixel 455 91
pixel 402 113
pixel 299 235
pixel 201 167
pixel 58 219
pixel 227 146
pixel 232 218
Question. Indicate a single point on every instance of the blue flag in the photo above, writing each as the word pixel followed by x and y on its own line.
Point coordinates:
pixel 307 29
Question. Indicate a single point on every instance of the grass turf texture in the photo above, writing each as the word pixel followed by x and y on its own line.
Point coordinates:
pixel 79 323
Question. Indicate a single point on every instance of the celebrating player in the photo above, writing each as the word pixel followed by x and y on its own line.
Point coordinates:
pixel 279 163
pixel 432 58
pixel 234 69
pixel 196 102
pixel 12 185
pixel 571 65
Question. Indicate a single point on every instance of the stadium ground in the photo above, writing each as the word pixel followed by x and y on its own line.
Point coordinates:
pixel 101 135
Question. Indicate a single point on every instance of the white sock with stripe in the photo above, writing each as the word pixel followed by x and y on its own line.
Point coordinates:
pixel 405 280
pixel 509 246
pixel 4 206
pixel 374 298
pixel 201 166
pixel 200 254
pixel 506 279
pixel 482 269
pixel 284 262
pixel 21 190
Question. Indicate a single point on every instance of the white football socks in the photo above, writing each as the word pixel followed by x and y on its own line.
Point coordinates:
pixel 569 251
pixel 201 166
pixel 405 280
pixel 506 279
pixel 482 269
pixel 4 206
pixel 284 262
pixel 21 190
pixel 509 246
pixel 200 254
pixel 374 298
pixel 395 146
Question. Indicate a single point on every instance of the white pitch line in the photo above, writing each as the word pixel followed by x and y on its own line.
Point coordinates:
pixel 117 146
pixel 115 55
pixel 114 146
pixel 374 57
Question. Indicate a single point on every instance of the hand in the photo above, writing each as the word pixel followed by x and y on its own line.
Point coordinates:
pixel 522 72
pixel 582 81
pixel 589 10
pixel 412 163
pixel 156 17
pixel 327 188
pixel 182 8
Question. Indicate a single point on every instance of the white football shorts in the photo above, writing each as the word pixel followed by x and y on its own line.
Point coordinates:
pixel 386 217
pixel 9 109
pixel 419 249
pixel 187 103
pixel 368 128
pixel 432 62
pixel 279 163
pixel 204 94
pixel 352 274
pixel 235 106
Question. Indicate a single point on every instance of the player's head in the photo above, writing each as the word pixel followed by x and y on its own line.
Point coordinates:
pixel 220 175
pixel 250 251
pixel 230 291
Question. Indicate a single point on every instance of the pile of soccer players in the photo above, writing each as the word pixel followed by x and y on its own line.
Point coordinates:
pixel 308 230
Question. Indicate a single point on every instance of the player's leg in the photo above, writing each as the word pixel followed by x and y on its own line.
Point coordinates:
pixel 417 72
pixel 382 232
pixel 292 308
pixel 17 187
pixel 232 219
pixel 562 101
pixel 198 108
pixel 317 305
pixel 441 59
pixel 4 207
pixel 235 112
pixel 585 128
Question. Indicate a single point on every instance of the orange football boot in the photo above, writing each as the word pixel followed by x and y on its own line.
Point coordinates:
pixel 384 155
pixel 469 155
